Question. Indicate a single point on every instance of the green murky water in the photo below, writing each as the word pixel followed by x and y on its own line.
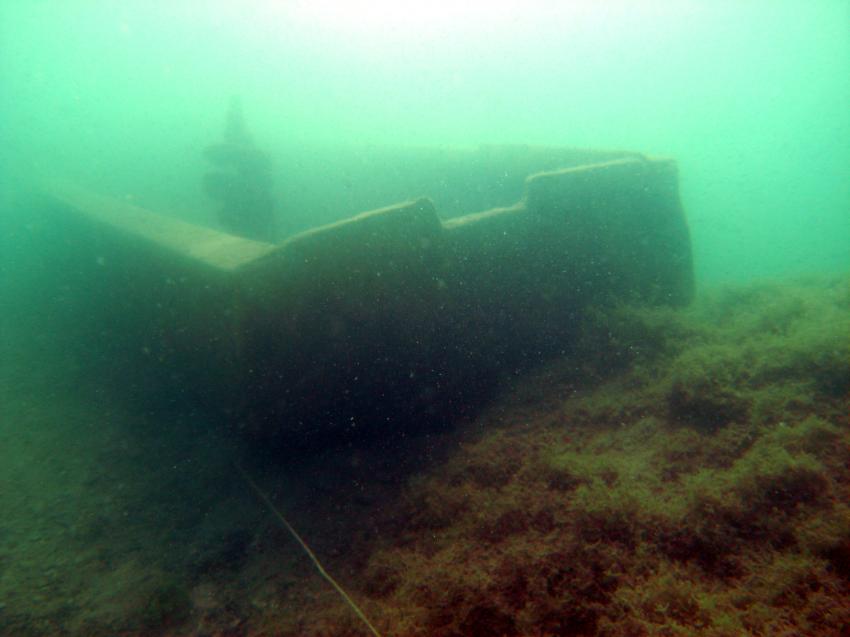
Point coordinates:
pixel 751 98
pixel 680 472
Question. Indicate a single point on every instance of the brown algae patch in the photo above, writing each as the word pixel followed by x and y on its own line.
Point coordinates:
pixel 701 490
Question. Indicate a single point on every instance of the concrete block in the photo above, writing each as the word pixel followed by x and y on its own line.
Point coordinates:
pixel 376 322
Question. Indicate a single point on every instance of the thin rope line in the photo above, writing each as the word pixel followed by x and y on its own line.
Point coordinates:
pixel 307 550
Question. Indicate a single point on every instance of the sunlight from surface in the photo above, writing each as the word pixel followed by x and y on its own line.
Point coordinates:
pixel 377 24
pixel 388 18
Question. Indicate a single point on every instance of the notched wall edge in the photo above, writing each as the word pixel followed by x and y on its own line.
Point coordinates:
pixel 383 318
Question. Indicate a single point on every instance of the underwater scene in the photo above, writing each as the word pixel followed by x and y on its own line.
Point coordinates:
pixel 357 318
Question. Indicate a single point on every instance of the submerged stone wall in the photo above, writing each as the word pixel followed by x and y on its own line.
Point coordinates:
pixel 381 321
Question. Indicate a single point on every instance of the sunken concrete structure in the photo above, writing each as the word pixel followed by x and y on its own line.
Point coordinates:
pixel 375 322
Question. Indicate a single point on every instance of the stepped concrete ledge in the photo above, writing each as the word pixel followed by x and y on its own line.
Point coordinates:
pixel 382 318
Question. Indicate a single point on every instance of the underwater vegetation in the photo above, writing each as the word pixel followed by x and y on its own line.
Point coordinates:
pixel 704 489
pixel 679 472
